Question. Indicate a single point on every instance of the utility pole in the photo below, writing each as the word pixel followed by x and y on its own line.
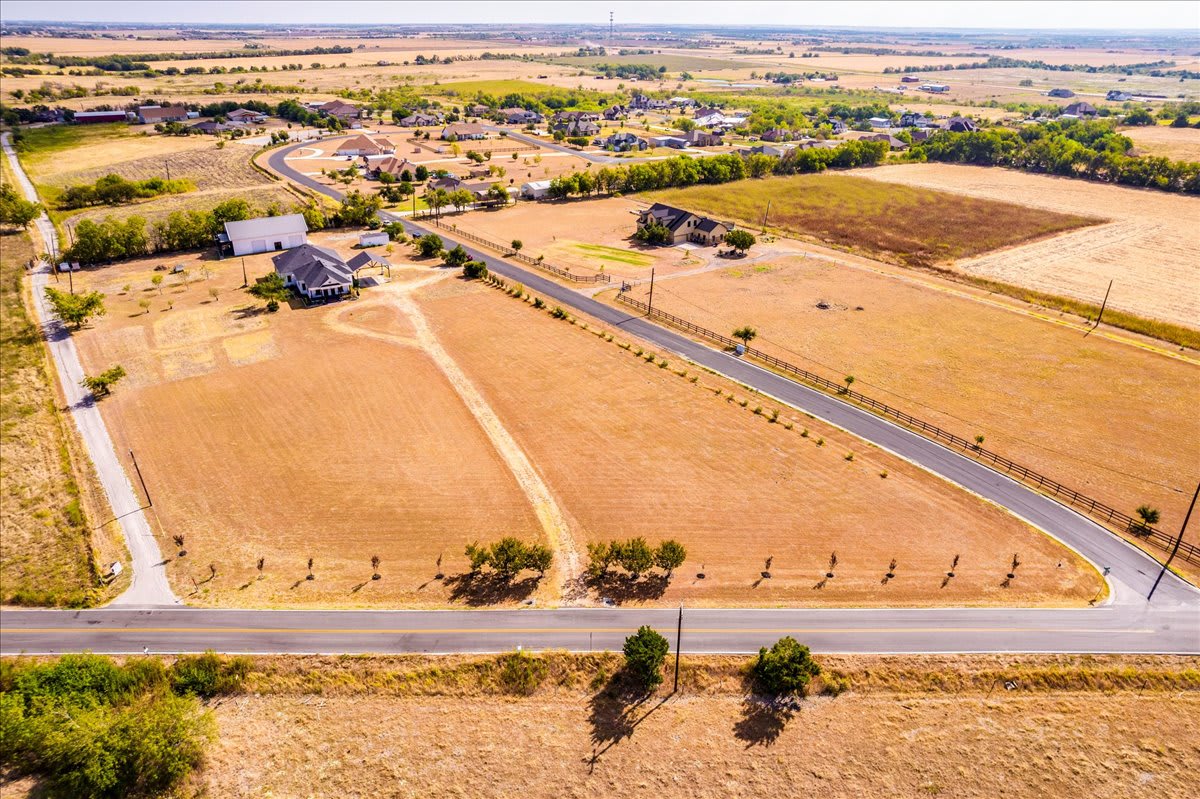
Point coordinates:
pixel 651 304
pixel 766 213
pixel 678 638
pixel 167 164
pixel 145 491
pixel 610 26
pixel 1176 547
pixel 245 280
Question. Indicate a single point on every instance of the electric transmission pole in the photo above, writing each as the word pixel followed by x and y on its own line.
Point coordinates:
pixel 610 26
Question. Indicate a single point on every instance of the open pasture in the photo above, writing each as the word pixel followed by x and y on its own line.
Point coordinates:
pixel 1147 247
pixel 1179 144
pixel 1109 419
pixel 888 221
pixel 290 436
pixel 634 449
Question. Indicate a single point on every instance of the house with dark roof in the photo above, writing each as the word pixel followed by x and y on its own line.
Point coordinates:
pixel 892 141
pixel 245 116
pixel 915 119
pixel 396 167
pixel 623 142
pixel 446 183
pixel 315 272
pixel 1060 93
pixel 615 112
pixel 961 125
pixel 520 116
pixel 576 127
pixel 347 113
pixel 684 225
pixel 776 135
pixel 698 138
pixel 1080 110
pixel 420 120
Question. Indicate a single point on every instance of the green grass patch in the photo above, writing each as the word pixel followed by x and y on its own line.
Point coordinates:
pixel 903 224
pixel 38 144
pixel 614 254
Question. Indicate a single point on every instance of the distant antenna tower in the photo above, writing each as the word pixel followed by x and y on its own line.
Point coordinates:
pixel 610 26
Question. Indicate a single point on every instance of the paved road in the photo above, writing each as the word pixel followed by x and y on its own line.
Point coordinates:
pixel 1123 623
pixel 149 585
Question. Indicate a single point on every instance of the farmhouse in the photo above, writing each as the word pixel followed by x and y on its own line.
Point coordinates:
pixel 315 272
pixel 155 114
pixel 463 130
pixel 365 145
pixel 935 88
pixel 244 116
pixel 419 120
pixel 910 79
pixel 92 117
pixel 684 225
pixel 266 233
pixel 535 189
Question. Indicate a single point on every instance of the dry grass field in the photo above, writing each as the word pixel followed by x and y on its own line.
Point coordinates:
pixel 1147 249
pixel 336 446
pixel 1180 144
pixel 915 227
pixel 669 458
pixel 1107 418
pixel 343 435
pixel 383 726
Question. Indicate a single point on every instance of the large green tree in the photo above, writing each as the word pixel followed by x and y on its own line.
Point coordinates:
pixel 76 309
pixel 645 652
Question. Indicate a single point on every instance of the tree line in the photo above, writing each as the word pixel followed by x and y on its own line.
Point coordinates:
pixel 684 170
pixel 116 190
pixel 1087 150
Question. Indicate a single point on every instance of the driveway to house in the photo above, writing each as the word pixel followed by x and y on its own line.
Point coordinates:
pixel 1124 622
pixel 149 585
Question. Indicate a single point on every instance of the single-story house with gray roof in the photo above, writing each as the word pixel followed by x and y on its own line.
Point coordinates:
pixel 316 272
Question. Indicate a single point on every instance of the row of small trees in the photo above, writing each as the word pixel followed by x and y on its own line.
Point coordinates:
pixel 509 556
pixel 634 556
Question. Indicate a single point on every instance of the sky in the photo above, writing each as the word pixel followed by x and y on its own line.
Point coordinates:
pixel 1104 14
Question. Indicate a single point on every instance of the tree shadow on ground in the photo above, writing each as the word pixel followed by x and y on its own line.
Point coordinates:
pixel 615 712
pixel 624 588
pixel 489 588
pixel 763 719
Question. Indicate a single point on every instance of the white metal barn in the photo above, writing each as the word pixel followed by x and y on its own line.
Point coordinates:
pixel 267 234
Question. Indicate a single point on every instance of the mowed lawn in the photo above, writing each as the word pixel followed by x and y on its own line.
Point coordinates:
pixel 905 224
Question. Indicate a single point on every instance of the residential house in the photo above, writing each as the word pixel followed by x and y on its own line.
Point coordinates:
pixel 520 116
pixel 155 114
pixel 704 111
pixel 777 135
pixel 576 127
pixel 347 113
pixel 1060 93
pixel 316 272
pixel 682 102
pixel 478 110
pixel 211 127
pixel 365 145
pixel 244 116
pixel 1081 110
pixel 420 120
pixel 623 142
pixel 641 102
pixel 961 125
pixel 698 138
pixel 396 167
pixel 93 117
pixel 463 130
pixel 935 88
pixel 1117 95
pixel 880 122
pixel 614 112
pixel 777 150
pixel 923 134
pixel 668 141
pixel 684 225
pixel 478 188
pixel 893 142
pixel 266 233
pixel 710 120
pixel 837 126
pixel 446 183
pixel 535 189
pixel 910 79
pixel 914 119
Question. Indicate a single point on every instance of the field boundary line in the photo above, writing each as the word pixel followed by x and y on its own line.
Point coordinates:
pixel 1072 498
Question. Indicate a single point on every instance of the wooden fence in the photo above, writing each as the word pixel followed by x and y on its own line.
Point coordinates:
pixel 1094 508
pixel 509 252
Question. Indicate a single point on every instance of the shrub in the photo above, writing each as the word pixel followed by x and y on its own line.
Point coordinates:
pixel 428 245
pixel 456 257
pixel 538 302
pixel 785 668
pixel 208 675
pixel 558 313
pixel 521 673
pixel 474 270
pixel 101 384
pixel 645 652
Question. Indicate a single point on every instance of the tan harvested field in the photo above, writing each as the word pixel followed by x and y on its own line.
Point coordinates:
pixel 1042 394
pixel 1180 144
pixel 336 445
pixel 897 223
pixel 666 457
pixel 338 432
pixel 899 732
pixel 1147 249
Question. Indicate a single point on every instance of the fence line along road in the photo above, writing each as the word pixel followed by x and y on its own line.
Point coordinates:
pixel 509 252
pixel 1094 508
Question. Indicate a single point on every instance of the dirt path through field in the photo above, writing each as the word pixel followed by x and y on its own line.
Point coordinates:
pixel 551 517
